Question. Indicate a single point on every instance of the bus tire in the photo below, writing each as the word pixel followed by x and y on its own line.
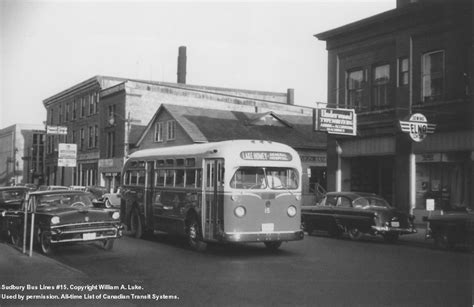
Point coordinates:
pixel 272 245
pixel 136 225
pixel 194 235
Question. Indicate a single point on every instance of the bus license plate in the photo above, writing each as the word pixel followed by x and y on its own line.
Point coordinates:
pixel 395 224
pixel 89 236
pixel 268 227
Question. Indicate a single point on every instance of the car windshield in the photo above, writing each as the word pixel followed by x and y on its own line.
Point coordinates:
pixel 12 196
pixel 275 178
pixel 64 201
pixel 370 201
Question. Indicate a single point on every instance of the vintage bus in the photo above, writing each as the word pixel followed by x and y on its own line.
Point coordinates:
pixel 229 191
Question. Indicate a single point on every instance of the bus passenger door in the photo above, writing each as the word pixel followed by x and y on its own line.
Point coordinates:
pixel 212 198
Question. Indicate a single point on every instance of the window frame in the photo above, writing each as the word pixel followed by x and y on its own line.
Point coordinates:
pixel 442 77
pixel 354 95
pixel 380 88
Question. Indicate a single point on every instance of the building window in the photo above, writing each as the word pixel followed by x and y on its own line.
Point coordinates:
pixel 112 114
pixel 159 132
pixel 433 75
pixel 74 108
pixel 171 129
pixel 60 114
pixel 91 137
pixel 96 136
pixel 90 98
pixel 81 145
pixel 83 106
pixel 355 84
pixel 380 84
pixel 111 144
pixel 402 71
pixel 51 114
pixel 74 138
pixel 67 112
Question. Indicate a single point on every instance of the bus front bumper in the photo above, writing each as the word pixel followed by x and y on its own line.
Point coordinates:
pixel 263 236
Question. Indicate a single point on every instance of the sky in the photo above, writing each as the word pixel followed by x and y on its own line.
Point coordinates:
pixel 49 46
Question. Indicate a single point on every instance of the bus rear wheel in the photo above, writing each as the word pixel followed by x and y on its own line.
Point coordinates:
pixel 273 245
pixel 194 235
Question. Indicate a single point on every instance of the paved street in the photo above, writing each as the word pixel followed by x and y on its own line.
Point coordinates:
pixel 318 271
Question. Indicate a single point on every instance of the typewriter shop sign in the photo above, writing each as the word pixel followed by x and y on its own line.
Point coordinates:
pixel 417 127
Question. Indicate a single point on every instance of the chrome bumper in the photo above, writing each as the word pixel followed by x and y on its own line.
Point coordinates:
pixel 262 237
pixel 384 229
pixel 77 235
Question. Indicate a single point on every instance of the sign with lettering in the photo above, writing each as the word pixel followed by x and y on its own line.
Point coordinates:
pixel 67 155
pixel 265 155
pixel 417 127
pixel 56 130
pixel 335 121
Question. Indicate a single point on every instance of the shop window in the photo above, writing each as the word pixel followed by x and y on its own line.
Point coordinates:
pixel 433 75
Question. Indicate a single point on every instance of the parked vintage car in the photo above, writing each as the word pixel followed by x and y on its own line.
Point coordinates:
pixel 65 217
pixel 11 199
pixel 97 191
pixel 52 188
pixel 356 214
pixel 453 228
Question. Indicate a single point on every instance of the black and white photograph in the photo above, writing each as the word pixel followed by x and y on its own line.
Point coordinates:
pixel 237 153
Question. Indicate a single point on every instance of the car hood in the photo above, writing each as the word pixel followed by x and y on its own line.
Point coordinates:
pixel 74 215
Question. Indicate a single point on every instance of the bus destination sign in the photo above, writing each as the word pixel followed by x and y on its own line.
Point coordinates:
pixel 265 155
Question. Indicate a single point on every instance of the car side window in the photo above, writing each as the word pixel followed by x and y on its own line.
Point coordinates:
pixel 343 202
pixel 331 200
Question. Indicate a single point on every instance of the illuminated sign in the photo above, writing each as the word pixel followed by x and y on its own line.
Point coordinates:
pixel 335 121
pixel 418 127
pixel 265 155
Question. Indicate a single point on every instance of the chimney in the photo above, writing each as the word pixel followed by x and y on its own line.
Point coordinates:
pixel 182 65
pixel 290 96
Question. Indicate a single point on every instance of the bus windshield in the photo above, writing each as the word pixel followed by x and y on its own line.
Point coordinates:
pixel 275 178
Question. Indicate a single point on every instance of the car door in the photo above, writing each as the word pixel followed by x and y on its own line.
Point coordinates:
pixel 351 217
pixel 321 216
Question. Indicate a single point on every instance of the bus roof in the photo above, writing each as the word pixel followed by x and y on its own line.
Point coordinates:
pixel 230 147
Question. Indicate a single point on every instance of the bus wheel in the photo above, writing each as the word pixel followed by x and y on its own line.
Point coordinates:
pixel 15 238
pixel 273 245
pixel 195 236
pixel 136 226
pixel 45 242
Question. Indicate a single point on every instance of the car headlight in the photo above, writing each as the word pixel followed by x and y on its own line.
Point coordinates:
pixel 239 211
pixel 116 215
pixel 291 211
pixel 55 220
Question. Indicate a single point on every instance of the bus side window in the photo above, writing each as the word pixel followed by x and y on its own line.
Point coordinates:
pixel 160 178
pixel 190 178
pixel 141 177
pixel 133 178
pixel 169 178
pixel 179 181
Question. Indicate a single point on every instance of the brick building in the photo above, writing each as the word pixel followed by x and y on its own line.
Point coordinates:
pixel 417 58
pixel 21 154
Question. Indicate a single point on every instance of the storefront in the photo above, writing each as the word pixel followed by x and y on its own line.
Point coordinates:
pixel 110 173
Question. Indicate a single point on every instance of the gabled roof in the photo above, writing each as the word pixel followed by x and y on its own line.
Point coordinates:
pixel 210 125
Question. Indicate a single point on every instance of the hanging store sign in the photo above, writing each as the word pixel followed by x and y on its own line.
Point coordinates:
pixel 417 127
pixel 67 155
pixel 335 121
pixel 62 130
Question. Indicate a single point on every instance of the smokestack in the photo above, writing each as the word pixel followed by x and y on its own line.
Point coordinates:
pixel 290 96
pixel 182 65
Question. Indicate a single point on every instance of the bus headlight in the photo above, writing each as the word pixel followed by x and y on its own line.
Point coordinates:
pixel 55 220
pixel 291 211
pixel 116 215
pixel 239 211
